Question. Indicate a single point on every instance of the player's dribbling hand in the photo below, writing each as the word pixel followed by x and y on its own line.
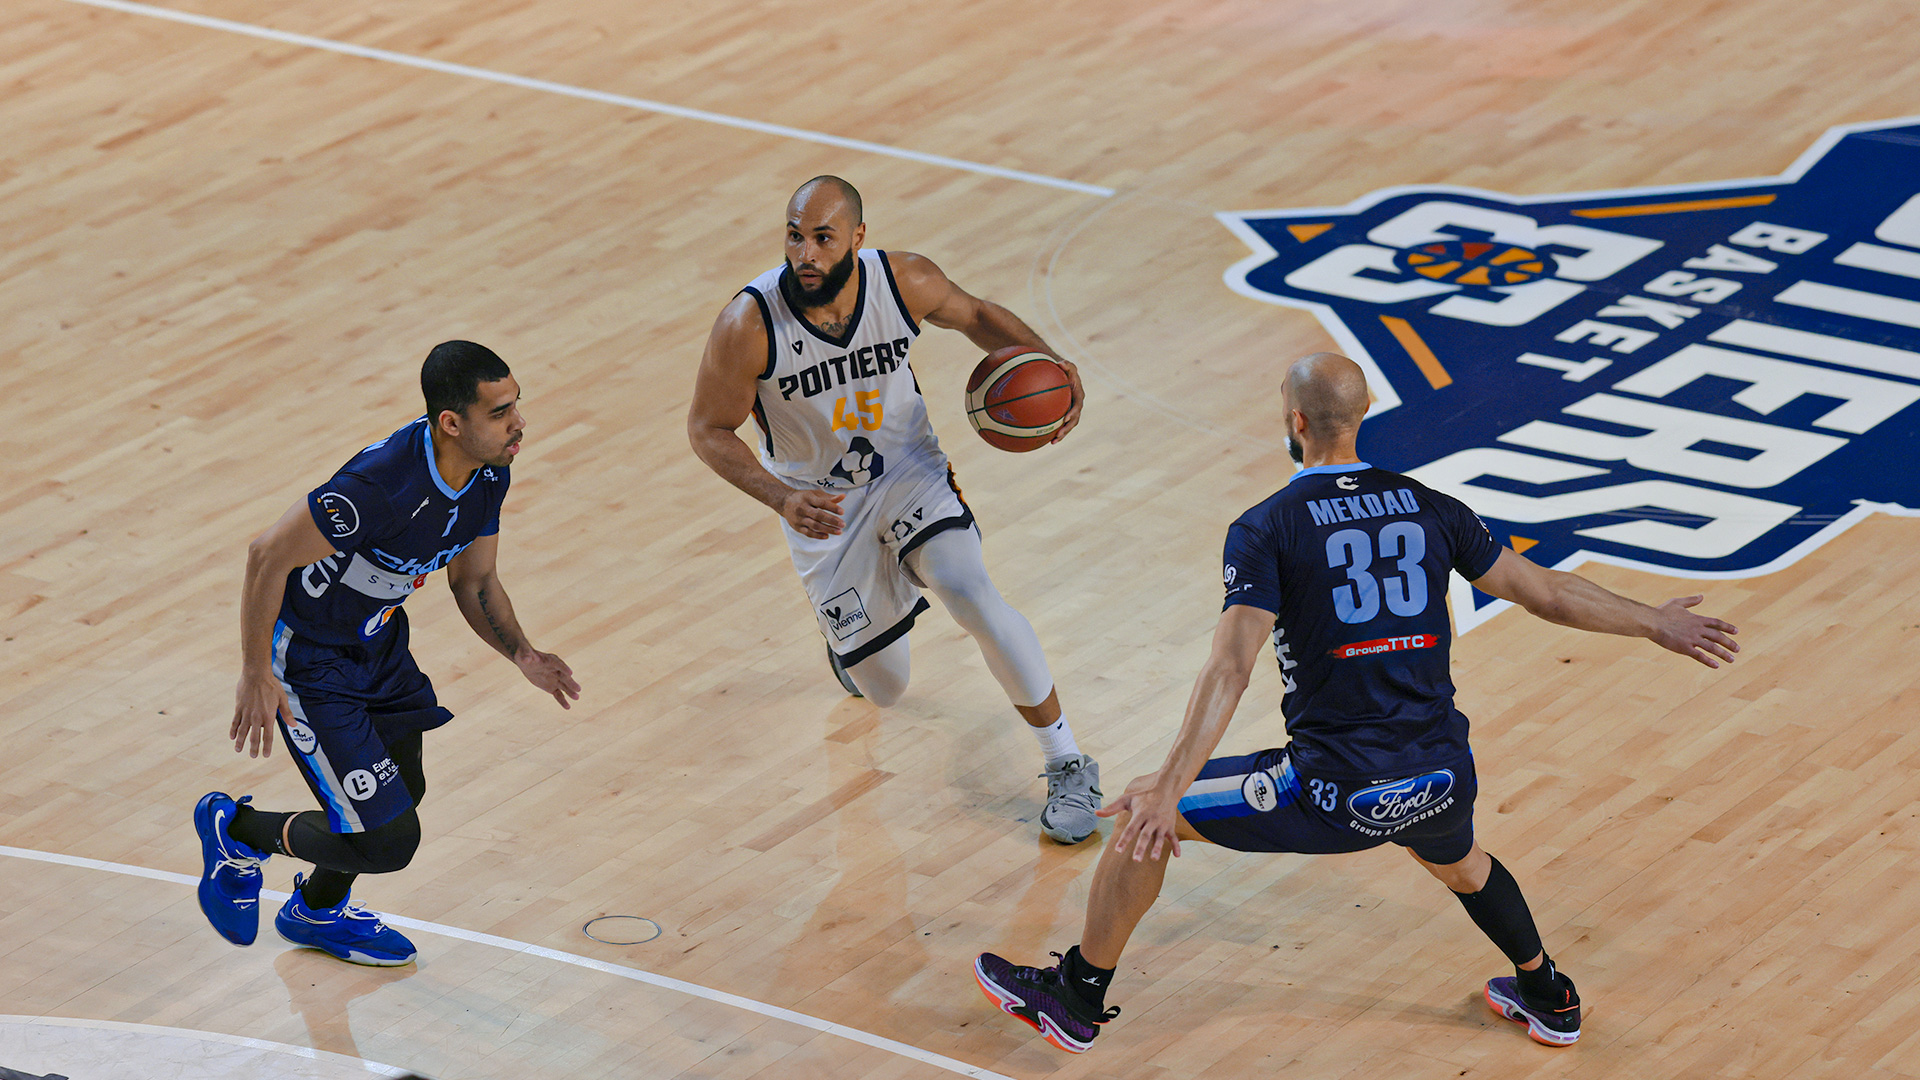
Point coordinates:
pixel 814 514
pixel 1700 637
pixel 549 673
pixel 1079 398
pixel 1154 823
pixel 257 702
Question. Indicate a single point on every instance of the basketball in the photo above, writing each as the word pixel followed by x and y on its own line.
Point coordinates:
pixel 1017 398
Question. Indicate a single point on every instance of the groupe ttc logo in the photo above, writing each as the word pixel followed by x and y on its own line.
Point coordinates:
pixel 1708 381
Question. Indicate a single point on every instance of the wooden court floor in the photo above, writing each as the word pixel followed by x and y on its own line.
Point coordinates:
pixel 222 258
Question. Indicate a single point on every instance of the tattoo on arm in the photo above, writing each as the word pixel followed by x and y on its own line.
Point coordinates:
pixel 499 631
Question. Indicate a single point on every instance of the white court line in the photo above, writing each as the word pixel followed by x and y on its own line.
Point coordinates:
pixel 307 1052
pixel 720 997
pixel 210 23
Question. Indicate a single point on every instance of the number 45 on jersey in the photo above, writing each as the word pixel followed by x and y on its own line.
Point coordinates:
pixel 866 413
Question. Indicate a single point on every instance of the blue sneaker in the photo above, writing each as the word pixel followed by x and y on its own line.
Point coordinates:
pixel 229 871
pixel 346 931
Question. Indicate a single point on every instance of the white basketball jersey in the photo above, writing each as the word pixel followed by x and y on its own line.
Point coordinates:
pixel 833 411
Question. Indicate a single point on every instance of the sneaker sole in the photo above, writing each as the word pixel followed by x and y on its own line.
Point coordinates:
pixel 1539 1032
pixel 1008 1002
pixel 1059 836
pixel 352 956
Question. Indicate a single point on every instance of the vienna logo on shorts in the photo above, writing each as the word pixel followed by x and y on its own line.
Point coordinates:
pixel 1400 801
pixel 1708 380
pixel 845 615
pixel 343 518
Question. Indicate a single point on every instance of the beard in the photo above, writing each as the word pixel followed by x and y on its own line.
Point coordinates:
pixel 1294 452
pixel 829 288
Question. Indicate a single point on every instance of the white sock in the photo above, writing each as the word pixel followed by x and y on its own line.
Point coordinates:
pixel 1056 740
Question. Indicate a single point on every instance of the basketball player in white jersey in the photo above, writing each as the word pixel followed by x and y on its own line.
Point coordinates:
pixel 815 351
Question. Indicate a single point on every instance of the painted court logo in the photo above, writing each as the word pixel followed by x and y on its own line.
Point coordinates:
pixel 1707 381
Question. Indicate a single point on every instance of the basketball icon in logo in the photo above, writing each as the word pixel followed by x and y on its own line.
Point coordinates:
pixel 1473 262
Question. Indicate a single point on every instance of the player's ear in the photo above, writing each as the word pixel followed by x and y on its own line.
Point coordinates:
pixel 448 422
pixel 859 236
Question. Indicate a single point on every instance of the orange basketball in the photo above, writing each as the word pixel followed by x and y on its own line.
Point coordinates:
pixel 1017 398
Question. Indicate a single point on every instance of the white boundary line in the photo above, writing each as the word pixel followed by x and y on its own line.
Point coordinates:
pixel 720 997
pixel 208 22
pixel 307 1052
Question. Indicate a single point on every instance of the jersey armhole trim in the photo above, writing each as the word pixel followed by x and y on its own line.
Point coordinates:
pixel 894 287
pixel 766 316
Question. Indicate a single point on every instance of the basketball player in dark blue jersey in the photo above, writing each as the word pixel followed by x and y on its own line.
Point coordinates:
pixel 1344 571
pixel 323 641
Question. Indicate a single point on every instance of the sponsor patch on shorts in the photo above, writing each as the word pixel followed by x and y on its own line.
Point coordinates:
pixel 846 614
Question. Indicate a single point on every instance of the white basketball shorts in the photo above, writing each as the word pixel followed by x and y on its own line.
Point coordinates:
pixel 862 593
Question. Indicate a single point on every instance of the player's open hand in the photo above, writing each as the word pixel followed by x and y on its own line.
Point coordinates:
pixel 549 673
pixel 257 702
pixel 1154 824
pixel 1698 636
pixel 814 514
pixel 1079 398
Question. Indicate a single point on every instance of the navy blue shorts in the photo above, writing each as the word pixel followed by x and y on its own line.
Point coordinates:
pixel 349 703
pixel 1258 802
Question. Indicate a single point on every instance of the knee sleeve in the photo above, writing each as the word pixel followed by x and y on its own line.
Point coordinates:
pixel 952 566
pixel 406 758
pixel 380 850
pixel 882 677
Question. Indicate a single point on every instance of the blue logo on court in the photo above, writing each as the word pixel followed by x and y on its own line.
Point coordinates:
pixel 1402 800
pixel 1708 380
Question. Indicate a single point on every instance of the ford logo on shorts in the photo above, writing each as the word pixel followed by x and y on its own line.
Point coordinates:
pixel 1399 800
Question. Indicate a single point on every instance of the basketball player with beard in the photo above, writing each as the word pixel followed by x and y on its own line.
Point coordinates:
pixel 814 351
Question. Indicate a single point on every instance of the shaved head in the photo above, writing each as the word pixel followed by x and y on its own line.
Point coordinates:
pixel 828 195
pixel 1329 390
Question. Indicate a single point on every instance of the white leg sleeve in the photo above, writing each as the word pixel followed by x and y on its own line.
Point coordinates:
pixel 950 564
pixel 882 677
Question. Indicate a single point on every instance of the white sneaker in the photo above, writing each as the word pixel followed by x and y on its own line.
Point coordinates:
pixel 1073 794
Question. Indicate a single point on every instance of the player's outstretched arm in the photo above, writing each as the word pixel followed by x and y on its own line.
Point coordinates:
pixel 932 297
pixel 483 600
pixel 1237 642
pixel 292 542
pixel 1571 600
pixel 723 395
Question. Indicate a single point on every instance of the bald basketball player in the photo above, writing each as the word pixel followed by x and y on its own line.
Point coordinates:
pixel 1354 604
pixel 815 352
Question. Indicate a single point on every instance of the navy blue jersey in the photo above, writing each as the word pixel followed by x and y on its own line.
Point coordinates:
pixel 392 520
pixel 1353 561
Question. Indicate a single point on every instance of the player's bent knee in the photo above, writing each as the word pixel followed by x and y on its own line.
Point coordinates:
pixel 884 694
pixel 389 848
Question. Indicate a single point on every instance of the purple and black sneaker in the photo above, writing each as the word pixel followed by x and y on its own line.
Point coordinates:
pixel 1548 1025
pixel 1042 998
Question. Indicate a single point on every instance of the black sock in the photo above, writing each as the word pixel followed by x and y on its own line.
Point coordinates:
pixel 258 829
pixel 1545 987
pixel 325 889
pixel 1501 913
pixel 1088 981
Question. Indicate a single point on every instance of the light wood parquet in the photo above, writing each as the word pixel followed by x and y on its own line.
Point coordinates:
pixel 223 259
